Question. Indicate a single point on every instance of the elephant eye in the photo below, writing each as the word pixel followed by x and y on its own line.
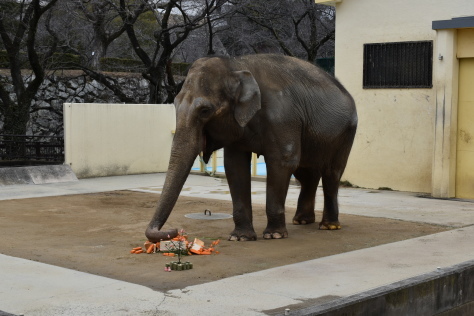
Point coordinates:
pixel 205 112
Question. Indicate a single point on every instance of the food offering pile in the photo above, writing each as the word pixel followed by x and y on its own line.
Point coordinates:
pixel 178 246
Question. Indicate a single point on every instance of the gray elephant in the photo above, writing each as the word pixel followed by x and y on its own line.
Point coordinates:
pixel 297 116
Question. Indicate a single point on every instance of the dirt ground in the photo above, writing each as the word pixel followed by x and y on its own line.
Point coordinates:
pixel 94 233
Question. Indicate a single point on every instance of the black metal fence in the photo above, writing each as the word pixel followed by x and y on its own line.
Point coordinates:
pixel 15 148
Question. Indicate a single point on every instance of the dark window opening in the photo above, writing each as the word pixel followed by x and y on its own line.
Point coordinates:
pixel 398 65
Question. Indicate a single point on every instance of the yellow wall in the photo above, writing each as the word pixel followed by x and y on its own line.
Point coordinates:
pixel 395 141
pixel 465 47
pixel 118 139
pixel 465 135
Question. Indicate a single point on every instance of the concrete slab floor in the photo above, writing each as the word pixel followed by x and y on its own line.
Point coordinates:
pixel 32 288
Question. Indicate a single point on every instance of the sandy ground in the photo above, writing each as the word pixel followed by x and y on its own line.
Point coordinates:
pixel 94 233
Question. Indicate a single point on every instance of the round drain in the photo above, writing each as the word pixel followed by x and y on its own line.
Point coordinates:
pixel 208 215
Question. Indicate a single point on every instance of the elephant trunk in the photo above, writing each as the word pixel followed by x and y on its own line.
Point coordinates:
pixel 183 153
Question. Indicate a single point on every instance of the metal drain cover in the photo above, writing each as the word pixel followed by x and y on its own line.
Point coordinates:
pixel 208 215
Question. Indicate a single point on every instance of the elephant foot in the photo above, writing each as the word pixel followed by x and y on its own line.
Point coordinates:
pixel 303 221
pixel 154 235
pixel 275 234
pixel 242 236
pixel 330 225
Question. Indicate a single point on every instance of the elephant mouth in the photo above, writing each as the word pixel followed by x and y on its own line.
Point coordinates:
pixel 204 141
pixel 208 146
pixel 206 153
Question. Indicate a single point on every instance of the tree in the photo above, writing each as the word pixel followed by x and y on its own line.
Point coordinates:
pixel 298 28
pixel 175 20
pixel 106 26
pixel 18 29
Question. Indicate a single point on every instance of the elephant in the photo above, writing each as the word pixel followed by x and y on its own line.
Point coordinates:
pixel 301 119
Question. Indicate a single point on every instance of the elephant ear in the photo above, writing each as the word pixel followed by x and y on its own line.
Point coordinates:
pixel 247 97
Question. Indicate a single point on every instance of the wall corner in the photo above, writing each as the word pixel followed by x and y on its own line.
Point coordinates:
pixel 445 76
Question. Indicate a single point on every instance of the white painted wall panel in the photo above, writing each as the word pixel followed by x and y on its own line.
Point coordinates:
pixel 118 139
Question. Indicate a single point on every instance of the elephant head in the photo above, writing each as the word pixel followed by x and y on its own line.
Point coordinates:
pixel 214 105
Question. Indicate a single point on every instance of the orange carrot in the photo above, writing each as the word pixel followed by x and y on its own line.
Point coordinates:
pixel 150 248
pixel 137 248
pixel 139 251
pixel 132 251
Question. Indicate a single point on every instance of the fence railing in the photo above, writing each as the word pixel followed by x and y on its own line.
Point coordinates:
pixel 31 148
pixel 215 168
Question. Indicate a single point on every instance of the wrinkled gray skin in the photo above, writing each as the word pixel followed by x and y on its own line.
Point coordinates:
pixel 299 118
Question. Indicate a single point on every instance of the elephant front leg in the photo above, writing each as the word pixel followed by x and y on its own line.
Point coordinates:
pixel 278 180
pixel 237 169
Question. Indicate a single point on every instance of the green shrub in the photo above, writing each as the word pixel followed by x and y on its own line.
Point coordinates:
pixel 179 69
pixel 64 61
pixel 57 61
pixel 121 64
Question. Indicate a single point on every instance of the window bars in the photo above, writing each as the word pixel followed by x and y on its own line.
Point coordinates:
pixel 398 65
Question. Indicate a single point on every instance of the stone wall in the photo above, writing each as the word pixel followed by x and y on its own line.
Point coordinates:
pixel 47 108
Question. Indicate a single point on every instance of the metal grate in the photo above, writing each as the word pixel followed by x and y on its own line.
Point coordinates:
pixel 398 65
pixel 31 148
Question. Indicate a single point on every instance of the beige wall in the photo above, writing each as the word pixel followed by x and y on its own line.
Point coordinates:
pixel 465 43
pixel 395 142
pixel 118 139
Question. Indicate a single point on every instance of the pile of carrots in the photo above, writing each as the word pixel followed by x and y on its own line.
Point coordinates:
pixel 196 247
pixel 148 247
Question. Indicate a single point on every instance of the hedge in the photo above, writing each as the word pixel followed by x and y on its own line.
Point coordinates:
pixel 71 61
pixel 121 64
pixel 57 61
pixel 132 65
pixel 180 69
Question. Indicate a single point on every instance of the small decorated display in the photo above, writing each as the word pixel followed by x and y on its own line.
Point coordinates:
pixel 178 266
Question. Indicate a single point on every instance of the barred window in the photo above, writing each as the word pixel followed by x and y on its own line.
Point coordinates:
pixel 398 65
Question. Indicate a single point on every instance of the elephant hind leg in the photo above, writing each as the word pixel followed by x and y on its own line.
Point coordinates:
pixel 309 180
pixel 330 219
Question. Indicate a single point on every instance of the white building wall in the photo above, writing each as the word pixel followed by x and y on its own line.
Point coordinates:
pixel 118 139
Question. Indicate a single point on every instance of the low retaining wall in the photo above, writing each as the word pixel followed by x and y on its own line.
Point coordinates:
pixel 446 292
pixel 36 175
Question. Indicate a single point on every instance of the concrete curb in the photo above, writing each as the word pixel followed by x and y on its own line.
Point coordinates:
pixel 36 175
pixel 446 290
